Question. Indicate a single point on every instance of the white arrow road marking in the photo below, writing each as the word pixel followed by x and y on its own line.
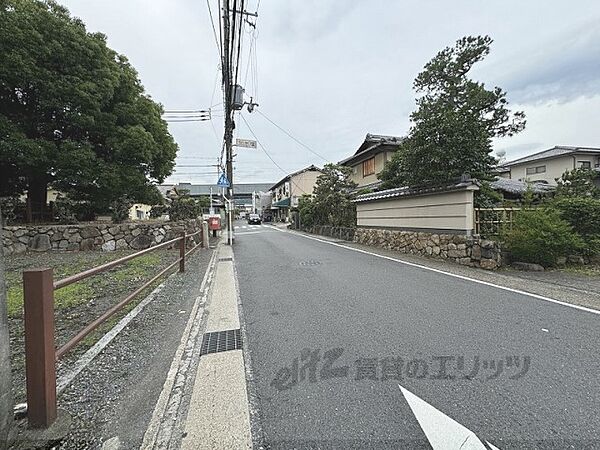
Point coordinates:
pixel 493 447
pixel 442 432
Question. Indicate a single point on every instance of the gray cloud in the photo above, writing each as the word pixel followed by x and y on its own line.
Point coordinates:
pixel 561 69
pixel 330 71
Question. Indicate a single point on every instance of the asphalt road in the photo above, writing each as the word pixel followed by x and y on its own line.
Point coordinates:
pixel 520 372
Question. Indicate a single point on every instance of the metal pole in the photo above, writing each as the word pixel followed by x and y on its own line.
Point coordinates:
pixel 40 356
pixel 182 253
pixel 230 222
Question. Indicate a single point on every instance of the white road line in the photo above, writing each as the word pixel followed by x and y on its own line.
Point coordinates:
pixel 251 232
pixel 461 277
pixel 156 435
pixel 443 432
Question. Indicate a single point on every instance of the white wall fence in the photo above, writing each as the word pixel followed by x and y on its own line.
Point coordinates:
pixel 434 221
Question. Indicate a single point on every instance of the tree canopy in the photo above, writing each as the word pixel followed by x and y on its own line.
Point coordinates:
pixel 580 182
pixel 331 203
pixel 455 121
pixel 73 114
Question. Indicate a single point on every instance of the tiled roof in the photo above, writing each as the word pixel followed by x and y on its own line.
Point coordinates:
pixel 371 143
pixel 553 152
pixel 520 187
pixel 417 190
pixel 298 172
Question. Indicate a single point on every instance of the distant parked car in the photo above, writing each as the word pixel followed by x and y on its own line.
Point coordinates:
pixel 254 219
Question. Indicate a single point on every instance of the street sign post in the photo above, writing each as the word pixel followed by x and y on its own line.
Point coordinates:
pixel 248 143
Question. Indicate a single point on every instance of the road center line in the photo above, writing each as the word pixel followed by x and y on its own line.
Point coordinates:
pixel 431 269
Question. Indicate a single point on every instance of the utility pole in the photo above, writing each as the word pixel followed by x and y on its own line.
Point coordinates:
pixel 227 84
pixel 232 24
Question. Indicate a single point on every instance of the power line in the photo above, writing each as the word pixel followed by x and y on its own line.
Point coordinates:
pixel 292 137
pixel 267 153
pixel 212 23
pixel 239 43
pixel 187 111
pixel 262 146
pixel 186 120
pixel 187 116
pixel 195 165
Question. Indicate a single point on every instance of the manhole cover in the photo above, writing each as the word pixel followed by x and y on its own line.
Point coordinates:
pixel 311 262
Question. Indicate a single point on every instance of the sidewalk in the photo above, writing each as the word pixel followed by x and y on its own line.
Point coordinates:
pixel 218 415
pixel 204 401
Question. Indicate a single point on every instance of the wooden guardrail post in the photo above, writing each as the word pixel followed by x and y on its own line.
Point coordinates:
pixel 40 355
pixel 182 252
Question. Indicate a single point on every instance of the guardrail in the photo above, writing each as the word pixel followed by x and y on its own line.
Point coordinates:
pixel 40 352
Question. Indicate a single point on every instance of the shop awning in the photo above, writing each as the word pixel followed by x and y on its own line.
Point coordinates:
pixel 285 203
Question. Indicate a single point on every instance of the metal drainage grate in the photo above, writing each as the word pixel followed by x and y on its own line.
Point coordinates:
pixel 221 341
pixel 226 259
pixel 312 262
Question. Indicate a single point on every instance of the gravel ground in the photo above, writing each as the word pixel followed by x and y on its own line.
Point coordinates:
pixel 116 394
pixel 82 302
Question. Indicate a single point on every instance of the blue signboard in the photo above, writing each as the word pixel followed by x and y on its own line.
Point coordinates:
pixel 223 181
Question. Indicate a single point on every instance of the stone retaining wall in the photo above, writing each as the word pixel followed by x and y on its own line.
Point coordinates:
pixel 93 236
pixel 466 250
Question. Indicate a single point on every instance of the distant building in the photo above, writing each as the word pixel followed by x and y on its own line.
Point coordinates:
pixel 139 211
pixel 368 161
pixel 547 165
pixel 242 193
pixel 286 192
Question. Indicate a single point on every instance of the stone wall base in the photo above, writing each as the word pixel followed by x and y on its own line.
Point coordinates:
pixel 93 236
pixel 466 250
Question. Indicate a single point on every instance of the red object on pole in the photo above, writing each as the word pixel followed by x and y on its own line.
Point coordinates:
pixel 214 223
pixel 182 253
pixel 40 355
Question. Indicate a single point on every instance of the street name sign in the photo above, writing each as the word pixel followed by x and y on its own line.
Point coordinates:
pixel 248 143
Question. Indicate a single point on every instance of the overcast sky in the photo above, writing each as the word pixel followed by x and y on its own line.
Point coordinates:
pixel 331 71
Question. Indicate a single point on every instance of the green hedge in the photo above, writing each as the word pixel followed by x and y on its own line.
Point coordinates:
pixel 583 213
pixel 541 236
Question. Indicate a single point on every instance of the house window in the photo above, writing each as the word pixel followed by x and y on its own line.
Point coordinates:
pixel 585 164
pixel 534 170
pixel 368 167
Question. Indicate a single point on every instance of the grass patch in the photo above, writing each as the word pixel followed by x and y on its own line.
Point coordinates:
pixel 137 268
pixel 67 297
pixel 120 278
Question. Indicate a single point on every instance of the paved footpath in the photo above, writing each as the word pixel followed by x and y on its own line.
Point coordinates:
pixel 204 401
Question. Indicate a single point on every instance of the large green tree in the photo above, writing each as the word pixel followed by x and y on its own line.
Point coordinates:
pixel 455 121
pixel 73 113
pixel 331 202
